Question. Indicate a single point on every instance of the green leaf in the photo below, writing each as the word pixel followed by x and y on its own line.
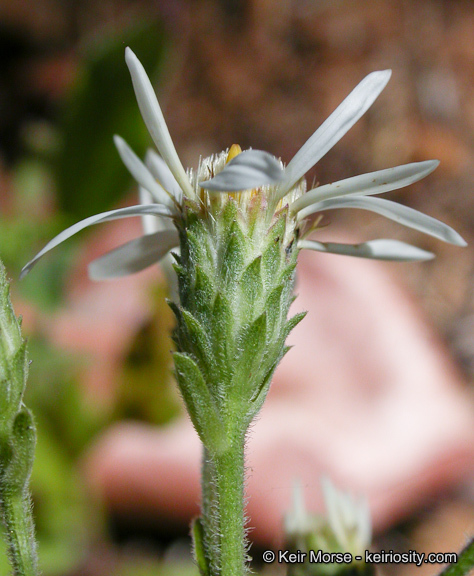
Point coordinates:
pixel 271 261
pixel 176 333
pixel 101 103
pixel 272 255
pixel 197 341
pixel 13 385
pixel 203 296
pixel 251 285
pixel 229 214
pixel 222 329
pixel 6 410
pixel 251 348
pixel 6 454
pixel 19 374
pixel 255 214
pixel 23 443
pixel 287 280
pixel 234 255
pixel 183 280
pixel 200 249
pixel 276 312
pixel 260 395
pixel 200 403
pixel 197 533
pixel 293 322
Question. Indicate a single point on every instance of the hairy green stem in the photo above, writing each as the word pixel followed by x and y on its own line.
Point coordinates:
pixel 223 512
pixel 210 512
pixel 18 518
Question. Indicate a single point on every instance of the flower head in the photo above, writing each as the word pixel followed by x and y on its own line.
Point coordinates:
pixel 348 518
pixel 346 527
pixel 254 177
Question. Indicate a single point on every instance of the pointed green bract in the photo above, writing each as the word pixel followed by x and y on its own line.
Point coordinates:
pixel 200 403
pixel 16 473
pixel 193 333
pixel 197 532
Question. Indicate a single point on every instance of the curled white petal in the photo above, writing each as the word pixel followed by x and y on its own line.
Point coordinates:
pixel 249 169
pixel 140 210
pixel 382 249
pixel 133 256
pixel 367 184
pixel 154 120
pixel 141 173
pixel 162 173
pixel 334 128
pixel 393 211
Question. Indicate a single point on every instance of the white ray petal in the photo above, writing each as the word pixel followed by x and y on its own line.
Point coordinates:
pixel 141 173
pixel 393 211
pixel 151 223
pixel 249 169
pixel 162 173
pixel 133 256
pixel 154 120
pixel 334 128
pixel 368 184
pixel 155 209
pixel 333 508
pixel 382 249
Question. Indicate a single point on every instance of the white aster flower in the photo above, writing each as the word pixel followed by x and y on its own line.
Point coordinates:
pixel 166 187
pixel 346 527
pixel 348 517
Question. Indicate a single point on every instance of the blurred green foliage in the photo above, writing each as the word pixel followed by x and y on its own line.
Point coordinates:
pixel 89 173
pixel 149 362
pixel 144 568
pixel 27 223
